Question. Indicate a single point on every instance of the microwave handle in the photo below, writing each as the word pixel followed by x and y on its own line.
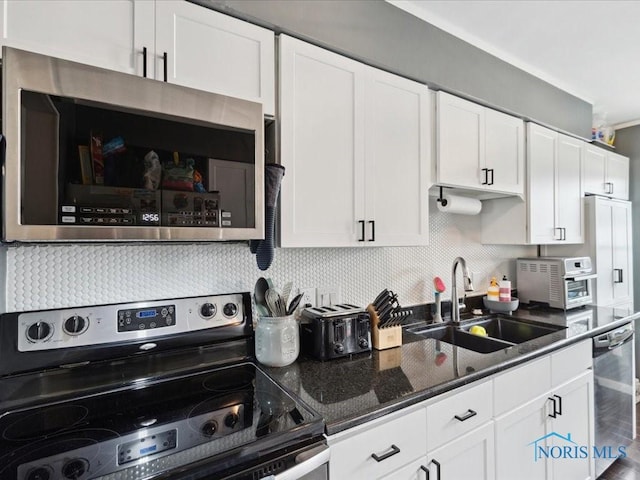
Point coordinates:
pixel 306 463
pixel 582 277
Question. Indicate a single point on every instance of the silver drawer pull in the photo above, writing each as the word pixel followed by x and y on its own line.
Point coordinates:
pixel 470 413
pixel 384 456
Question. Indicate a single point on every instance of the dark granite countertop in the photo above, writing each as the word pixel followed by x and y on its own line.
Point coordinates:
pixel 353 390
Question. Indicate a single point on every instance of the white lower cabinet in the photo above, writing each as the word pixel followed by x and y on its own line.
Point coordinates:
pixel 534 421
pixel 470 457
pixel 550 437
pixel 379 447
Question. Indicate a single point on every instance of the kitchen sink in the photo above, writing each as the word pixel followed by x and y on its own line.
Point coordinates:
pixel 461 338
pixel 510 330
pixel 502 333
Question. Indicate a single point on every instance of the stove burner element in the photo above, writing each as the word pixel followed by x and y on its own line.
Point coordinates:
pixel 45 422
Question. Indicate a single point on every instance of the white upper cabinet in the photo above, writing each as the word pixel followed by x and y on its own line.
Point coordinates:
pixel 552 212
pixel 204 49
pixel 211 51
pixel 478 148
pixel 104 33
pixel 355 142
pixel 605 173
pixel 554 199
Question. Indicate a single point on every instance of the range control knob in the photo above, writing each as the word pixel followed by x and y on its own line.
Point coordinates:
pixel 230 310
pixel 75 325
pixel 231 419
pixel 363 342
pixel 75 468
pixel 338 348
pixel 39 473
pixel 208 310
pixel 39 331
pixel 209 428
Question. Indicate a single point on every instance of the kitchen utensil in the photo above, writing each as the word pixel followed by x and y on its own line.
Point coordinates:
pixel 286 291
pixel 294 304
pixel 275 303
pixel 259 296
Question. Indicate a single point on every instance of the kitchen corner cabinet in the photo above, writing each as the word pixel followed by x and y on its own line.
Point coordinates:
pixel 204 49
pixel 355 142
pixel 605 173
pixel 478 148
pixel 552 212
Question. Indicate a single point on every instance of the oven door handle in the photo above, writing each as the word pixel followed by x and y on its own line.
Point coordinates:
pixel 306 463
pixel 577 278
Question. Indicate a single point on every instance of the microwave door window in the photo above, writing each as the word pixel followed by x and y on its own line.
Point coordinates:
pixel 87 164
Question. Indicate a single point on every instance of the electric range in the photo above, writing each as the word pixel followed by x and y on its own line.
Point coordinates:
pixel 146 390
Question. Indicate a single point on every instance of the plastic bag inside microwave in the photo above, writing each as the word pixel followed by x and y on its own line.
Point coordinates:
pixel 178 175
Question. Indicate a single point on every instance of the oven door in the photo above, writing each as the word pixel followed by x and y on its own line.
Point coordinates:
pixel 310 465
pixel 310 462
pixel 578 290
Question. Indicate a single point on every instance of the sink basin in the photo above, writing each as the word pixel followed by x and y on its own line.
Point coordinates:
pixel 461 338
pixel 511 330
pixel 502 332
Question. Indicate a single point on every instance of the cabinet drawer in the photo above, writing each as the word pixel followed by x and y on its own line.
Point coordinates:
pixel 458 414
pixel 570 361
pixel 405 434
pixel 520 384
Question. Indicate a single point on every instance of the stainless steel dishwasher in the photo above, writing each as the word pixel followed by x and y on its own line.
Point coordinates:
pixel 614 373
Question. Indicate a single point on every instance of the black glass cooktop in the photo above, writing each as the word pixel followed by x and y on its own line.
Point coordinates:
pixel 226 417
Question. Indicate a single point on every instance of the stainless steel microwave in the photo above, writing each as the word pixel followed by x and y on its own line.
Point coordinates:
pixel 557 282
pixel 97 155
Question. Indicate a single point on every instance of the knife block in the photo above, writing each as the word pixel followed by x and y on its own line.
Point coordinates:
pixel 385 337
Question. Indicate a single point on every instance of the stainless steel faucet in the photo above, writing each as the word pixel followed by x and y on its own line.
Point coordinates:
pixel 468 287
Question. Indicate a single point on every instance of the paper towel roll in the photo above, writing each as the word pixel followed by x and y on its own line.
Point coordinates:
pixel 460 205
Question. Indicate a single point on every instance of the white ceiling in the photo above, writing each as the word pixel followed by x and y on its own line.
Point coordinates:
pixel 590 48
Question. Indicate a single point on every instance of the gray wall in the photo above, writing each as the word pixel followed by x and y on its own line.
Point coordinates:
pixel 387 37
pixel 628 144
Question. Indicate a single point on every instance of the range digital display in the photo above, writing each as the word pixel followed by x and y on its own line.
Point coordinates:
pixel 151 444
pixel 146 313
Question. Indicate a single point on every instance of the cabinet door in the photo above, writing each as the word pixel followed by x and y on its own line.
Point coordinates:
pixel 321 147
pixel 416 470
pixel 541 155
pixel 618 175
pixel 460 142
pixel 212 51
pixel 105 33
pixel 621 245
pixel 518 434
pixel 504 152
pixel 373 451
pixel 469 457
pixel 575 419
pixel 594 170
pixel 397 153
pixel 569 204
pixel 603 224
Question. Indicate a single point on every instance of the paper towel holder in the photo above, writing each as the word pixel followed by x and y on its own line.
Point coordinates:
pixel 441 199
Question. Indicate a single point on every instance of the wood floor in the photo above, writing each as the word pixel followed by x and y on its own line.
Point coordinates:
pixel 627 468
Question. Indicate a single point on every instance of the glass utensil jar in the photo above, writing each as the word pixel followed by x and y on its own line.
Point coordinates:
pixel 277 340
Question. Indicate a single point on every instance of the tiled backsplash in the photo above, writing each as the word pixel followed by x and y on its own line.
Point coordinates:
pixel 53 276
